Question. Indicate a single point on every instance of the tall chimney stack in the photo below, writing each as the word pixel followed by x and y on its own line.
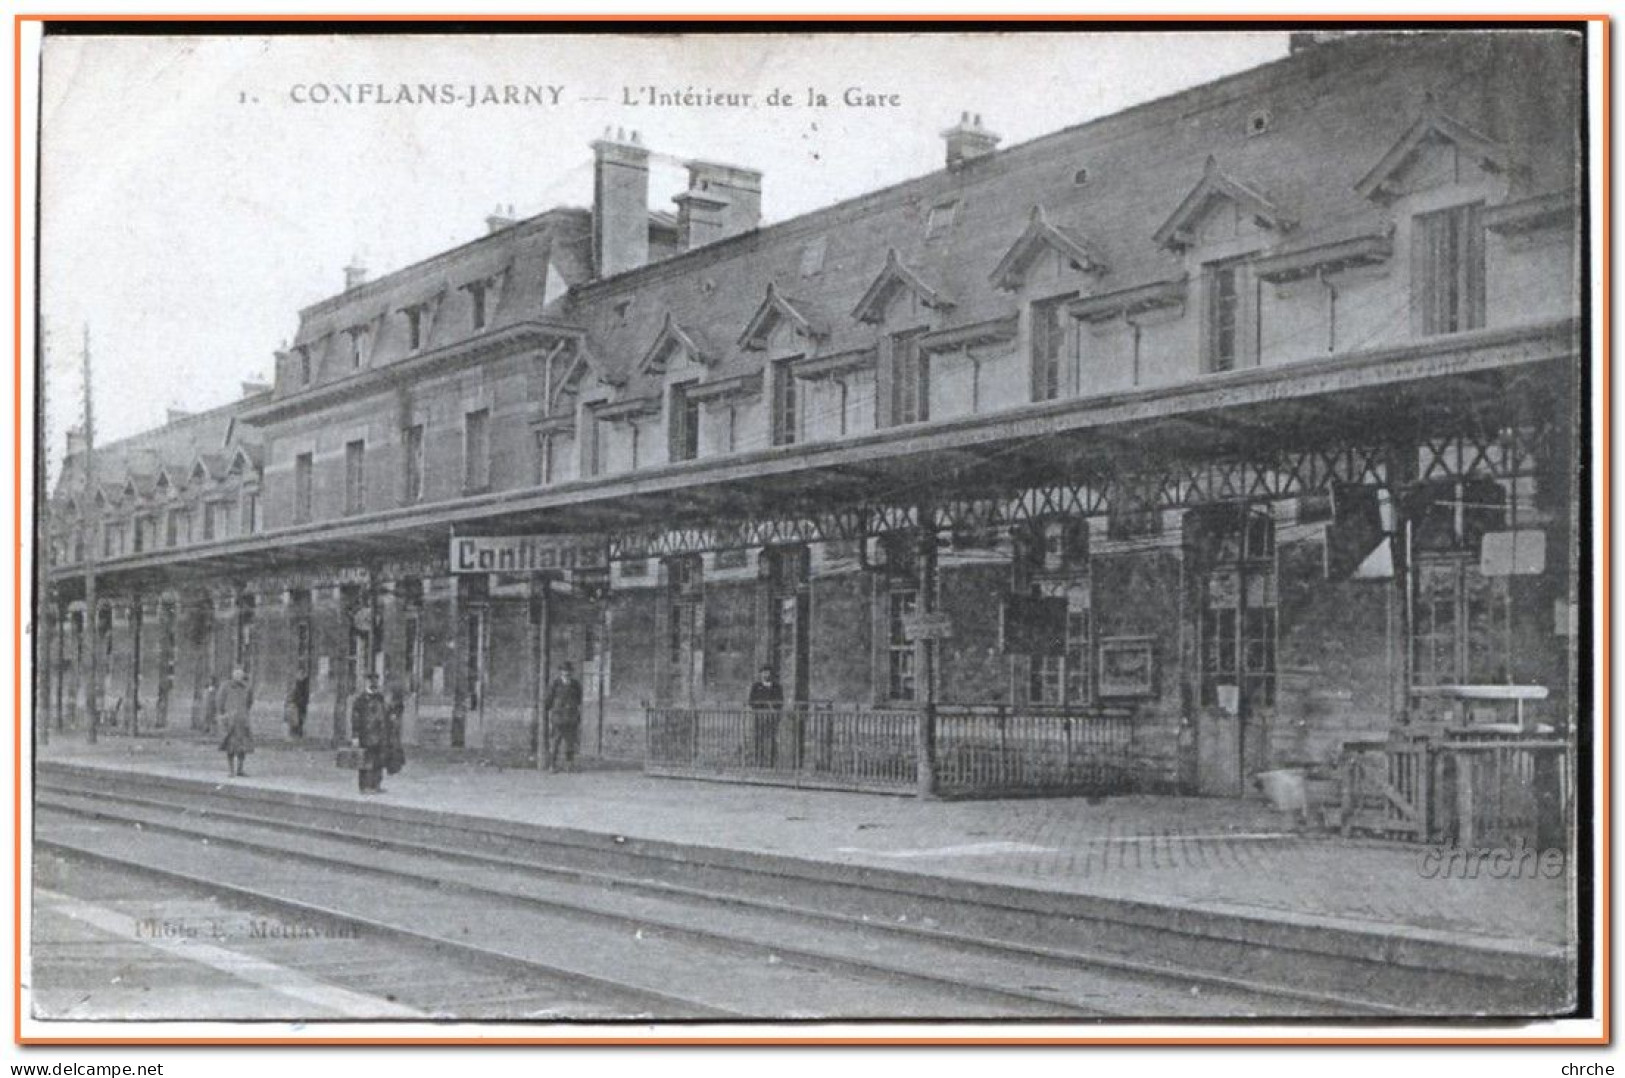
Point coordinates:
pixel 500 219
pixel 721 201
pixel 620 203
pixel 968 140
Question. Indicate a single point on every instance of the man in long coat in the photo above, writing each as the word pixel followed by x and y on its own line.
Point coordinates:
pixel 235 698
pixel 564 718
pixel 370 726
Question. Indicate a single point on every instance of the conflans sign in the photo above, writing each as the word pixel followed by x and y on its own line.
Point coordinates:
pixel 522 554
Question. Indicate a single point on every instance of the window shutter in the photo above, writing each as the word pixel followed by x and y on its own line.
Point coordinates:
pixel 1473 286
pixel 1421 275
pixel 1249 352
pixel 1204 330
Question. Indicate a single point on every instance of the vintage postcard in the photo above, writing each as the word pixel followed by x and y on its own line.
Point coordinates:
pixel 651 529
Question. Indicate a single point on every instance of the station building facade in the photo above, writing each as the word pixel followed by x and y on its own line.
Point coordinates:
pixel 1248 415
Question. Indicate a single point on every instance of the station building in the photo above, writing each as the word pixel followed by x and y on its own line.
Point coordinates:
pixel 1244 421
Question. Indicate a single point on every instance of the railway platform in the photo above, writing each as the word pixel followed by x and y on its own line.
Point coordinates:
pixel 1201 856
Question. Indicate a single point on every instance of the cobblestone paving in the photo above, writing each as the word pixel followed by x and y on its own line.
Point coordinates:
pixel 1236 855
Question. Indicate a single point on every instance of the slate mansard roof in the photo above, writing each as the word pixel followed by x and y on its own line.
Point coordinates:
pixel 1329 115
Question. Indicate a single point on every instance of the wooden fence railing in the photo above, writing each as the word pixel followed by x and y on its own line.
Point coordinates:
pixel 979 752
pixel 1466 790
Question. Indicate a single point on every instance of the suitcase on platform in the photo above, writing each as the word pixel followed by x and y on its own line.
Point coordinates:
pixel 352 757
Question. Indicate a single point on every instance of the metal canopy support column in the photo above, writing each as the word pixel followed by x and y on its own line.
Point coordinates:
pixel 925 654
pixel 1399 466
pixel 542 652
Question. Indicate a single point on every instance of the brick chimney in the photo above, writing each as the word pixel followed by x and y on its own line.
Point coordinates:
pixel 968 139
pixel 500 219
pixel 620 203
pixel 721 201
pixel 355 275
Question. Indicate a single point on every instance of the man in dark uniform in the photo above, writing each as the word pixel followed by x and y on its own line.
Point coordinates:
pixel 564 718
pixel 369 725
pixel 766 700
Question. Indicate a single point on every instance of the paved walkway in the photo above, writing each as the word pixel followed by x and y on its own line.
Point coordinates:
pixel 1224 855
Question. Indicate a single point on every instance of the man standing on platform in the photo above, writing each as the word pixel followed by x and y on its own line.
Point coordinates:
pixel 370 727
pixel 236 698
pixel 766 701
pixel 564 718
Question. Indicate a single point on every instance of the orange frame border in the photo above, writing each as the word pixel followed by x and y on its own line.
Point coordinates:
pixel 1604 704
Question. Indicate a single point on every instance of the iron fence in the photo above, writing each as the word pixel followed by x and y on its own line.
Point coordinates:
pixel 1000 752
pixel 979 753
pixel 847 750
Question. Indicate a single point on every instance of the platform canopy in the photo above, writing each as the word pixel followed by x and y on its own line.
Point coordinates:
pixel 1476 387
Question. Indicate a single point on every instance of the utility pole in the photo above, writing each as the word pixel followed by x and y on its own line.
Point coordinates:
pixel 44 627
pixel 93 621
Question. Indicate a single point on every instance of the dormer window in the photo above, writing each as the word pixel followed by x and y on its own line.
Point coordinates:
pixel 941 219
pixel 477 295
pixel 684 423
pixel 910 369
pixel 1226 287
pixel 1050 325
pixel 359 341
pixel 1447 270
pixel 301 355
pixel 417 326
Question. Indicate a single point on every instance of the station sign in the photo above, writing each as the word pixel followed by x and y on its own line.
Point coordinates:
pixel 933 625
pixel 523 553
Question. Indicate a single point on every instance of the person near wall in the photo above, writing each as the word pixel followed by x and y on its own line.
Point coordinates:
pixel 394 713
pixel 564 718
pixel 235 700
pixel 369 724
pixel 298 705
pixel 766 700
pixel 210 714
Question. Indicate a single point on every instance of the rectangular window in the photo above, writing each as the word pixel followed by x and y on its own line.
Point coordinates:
pixel 1461 632
pixel 685 424
pixel 210 511
pixel 355 477
pixel 304 475
pixel 414 327
pixel 477 450
pixel 941 218
pixel 251 512
pixel 1447 270
pixel 358 347
pixel 302 354
pixel 476 292
pixel 592 445
pixel 1052 564
pixel 901 606
pixel 1048 346
pixel 1224 322
pixel 544 458
pixel 1239 605
pixel 785 413
pixel 910 380
pixel 412 460
pixel 109 532
pixel 178 528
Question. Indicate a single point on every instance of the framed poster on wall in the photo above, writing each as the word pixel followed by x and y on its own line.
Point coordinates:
pixel 1128 666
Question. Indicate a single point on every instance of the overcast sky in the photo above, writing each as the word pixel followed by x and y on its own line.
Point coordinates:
pixel 191 205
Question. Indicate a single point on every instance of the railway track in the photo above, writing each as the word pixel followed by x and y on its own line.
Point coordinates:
pixel 664 935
